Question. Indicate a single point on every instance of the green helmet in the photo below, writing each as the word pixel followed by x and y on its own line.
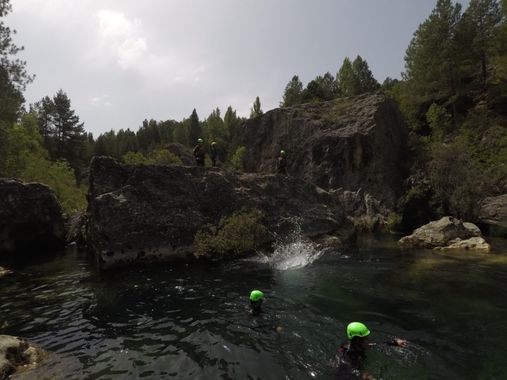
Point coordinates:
pixel 357 329
pixel 256 295
pixel 282 152
pixel 200 141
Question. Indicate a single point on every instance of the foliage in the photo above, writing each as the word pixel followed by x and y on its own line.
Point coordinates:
pixel 439 121
pixel 293 93
pixel 240 233
pixel 237 159
pixel 256 109
pixel 194 129
pixel 27 159
pixel 155 157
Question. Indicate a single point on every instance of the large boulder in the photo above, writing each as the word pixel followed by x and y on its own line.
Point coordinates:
pixel 17 353
pixel 493 211
pixel 30 217
pixel 152 213
pixel 349 143
pixel 447 233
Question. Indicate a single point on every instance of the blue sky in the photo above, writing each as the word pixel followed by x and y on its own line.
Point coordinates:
pixel 122 61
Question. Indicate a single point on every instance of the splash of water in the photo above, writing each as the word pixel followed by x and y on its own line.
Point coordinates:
pixel 291 251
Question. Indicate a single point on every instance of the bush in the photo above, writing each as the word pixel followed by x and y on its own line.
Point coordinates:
pixel 237 159
pixel 155 157
pixel 239 233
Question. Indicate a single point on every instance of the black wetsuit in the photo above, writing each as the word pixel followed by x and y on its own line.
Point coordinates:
pixel 213 155
pixel 199 155
pixel 350 363
pixel 282 165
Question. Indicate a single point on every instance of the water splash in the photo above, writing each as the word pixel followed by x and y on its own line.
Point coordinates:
pixel 291 251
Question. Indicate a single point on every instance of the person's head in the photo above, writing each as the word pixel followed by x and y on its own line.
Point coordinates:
pixel 282 153
pixel 357 333
pixel 199 141
pixel 213 143
pixel 256 299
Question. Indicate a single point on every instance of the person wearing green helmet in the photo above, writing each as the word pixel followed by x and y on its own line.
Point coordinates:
pixel 282 163
pixel 199 153
pixel 352 355
pixel 256 299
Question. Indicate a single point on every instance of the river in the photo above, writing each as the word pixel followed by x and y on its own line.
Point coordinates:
pixel 188 321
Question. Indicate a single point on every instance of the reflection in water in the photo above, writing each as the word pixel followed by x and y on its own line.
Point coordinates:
pixel 188 322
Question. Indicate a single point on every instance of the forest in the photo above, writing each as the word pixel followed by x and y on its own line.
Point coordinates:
pixel 452 93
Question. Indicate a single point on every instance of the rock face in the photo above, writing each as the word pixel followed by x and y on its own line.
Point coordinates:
pixel 494 211
pixel 76 229
pixel 30 217
pixel 351 143
pixel 182 152
pixel 447 233
pixel 17 353
pixel 152 213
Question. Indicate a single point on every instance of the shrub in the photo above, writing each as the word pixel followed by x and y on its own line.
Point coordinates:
pixel 237 159
pixel 239 233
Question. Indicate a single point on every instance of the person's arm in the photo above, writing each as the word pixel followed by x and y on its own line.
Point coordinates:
pixel 396 342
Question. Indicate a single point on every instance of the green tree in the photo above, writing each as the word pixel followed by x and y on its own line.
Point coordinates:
pixel 484 17
pixel 256 109
pixel 180 133
pixel 322 88
pixel 194 129
pixel 346 79
pixel 364 77
pixel 431 60
pixel 293 93
pixel 439 121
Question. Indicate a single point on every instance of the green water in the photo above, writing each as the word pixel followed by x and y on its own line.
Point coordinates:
pixel 188 322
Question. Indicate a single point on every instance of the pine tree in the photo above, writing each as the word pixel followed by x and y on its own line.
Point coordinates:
pixel 346 79
pixel 293 93
pixel 431 60
pixel 365 80
pixel 194 131
pixel 69 132
pixel 485 17
pixel 256 110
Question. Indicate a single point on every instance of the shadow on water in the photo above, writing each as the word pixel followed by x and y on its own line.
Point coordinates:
pixel 189 322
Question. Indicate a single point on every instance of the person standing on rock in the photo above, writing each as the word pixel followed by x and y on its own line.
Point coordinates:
pixel 199 153
pixel 282 163
pixel 214 153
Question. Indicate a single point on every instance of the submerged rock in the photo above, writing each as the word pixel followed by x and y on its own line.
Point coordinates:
pixel 446 233
pixel 152 213
pixel 348 143
pixel 18 354
pixel 30 217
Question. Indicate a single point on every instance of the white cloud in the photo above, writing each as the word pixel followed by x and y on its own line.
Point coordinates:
pixel 101 101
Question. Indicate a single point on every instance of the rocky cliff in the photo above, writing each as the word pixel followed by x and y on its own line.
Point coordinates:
pixel 351 143
pixel 30 218
pixel 152 213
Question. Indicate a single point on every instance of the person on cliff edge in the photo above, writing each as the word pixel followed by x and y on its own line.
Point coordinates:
pixel 351 356
pixel 214 153
pixel 282 163
pixel 199 153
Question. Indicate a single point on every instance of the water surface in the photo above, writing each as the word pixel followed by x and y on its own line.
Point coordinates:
pixel 188 322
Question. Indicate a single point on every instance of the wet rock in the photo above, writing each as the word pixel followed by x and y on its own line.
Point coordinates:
pixel 473 244
pixel 4 272
pixel 348 143
pixel 30 217
pixel 366 213
pixel 18 354
pixel 152 213
pixel 445 232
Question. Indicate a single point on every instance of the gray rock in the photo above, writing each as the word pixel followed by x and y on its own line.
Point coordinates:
pixel 30 217
pixel 348 143
pixel 493 211
pixel 152 213
pixel 76 229
pixel 440 233
pixel 473 244
pixel 182 152
pixel 16 353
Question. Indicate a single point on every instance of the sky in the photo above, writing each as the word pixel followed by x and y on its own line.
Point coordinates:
pixel 123 61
